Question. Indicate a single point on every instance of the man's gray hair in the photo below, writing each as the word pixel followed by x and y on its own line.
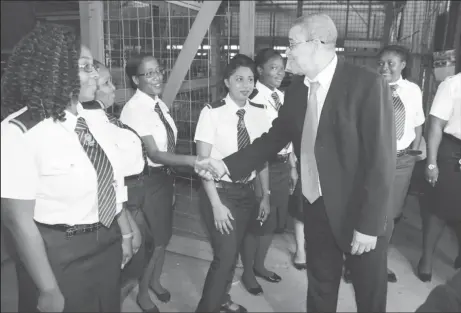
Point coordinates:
pixel 318 26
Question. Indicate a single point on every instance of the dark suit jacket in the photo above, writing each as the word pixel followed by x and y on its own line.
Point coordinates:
pixel 355 148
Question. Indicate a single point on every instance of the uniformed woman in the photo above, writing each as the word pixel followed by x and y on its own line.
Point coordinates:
pixel 282 174
pixel 150 117
pixel 441 203
pixel 228 207
pixel 409 118
pixel 62 184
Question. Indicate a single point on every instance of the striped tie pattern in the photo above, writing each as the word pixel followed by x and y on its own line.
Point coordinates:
pixel 399 113
pixel 243 139
pixel 169 131
pixel 104 172
pixel 277 101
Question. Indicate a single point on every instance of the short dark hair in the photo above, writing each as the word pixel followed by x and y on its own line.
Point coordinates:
pixel 402 52
pixel 42 72
pixel 265 55
pixel 132 67
pixel 239 60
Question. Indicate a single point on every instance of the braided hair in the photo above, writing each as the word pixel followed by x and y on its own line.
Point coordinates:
pixel 42 72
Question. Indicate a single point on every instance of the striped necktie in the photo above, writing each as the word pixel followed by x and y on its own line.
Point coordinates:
pixel 104 172
pixel 399 113
pixel 277 101
pixel 243 139
pixel 169 131
pixel 309 172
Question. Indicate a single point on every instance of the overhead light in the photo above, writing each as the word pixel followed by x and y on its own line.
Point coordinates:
pixel 135 4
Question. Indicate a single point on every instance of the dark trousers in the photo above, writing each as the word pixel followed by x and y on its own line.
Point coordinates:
pixel 86 267
pixel 324 259
pixel 241 201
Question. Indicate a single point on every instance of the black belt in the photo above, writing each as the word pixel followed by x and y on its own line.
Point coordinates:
pixel 281 158
pixel 226 184
pixel 150 170
pixel 75 229
pixel 408 151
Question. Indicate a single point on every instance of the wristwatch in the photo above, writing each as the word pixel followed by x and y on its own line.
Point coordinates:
pixel 431 166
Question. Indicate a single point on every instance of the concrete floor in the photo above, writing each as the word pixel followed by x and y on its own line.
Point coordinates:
pixel 188 260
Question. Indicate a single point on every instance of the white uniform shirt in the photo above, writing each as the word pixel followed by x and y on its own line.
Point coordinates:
pixel 264 96
pixel 447 105
pixel 324 78
pixel 412 100
pixel 218 127
pixel 139 113
pixel 48 164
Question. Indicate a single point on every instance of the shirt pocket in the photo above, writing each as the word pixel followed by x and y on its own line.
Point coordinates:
pixel 58 168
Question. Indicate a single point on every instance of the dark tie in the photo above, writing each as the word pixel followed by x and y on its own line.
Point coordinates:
pixel 104 172
pixel 277 101
pixel 169 131
pixel 399 113
pixel 243 139
pixel 309 172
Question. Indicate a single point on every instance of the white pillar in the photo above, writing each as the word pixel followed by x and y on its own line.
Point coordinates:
pixel 92 27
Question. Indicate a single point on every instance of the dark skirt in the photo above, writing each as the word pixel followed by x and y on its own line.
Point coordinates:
pixel 445 198
pixel 403 172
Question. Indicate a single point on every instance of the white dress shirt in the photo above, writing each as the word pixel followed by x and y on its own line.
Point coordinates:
pixel 139 113
pixel 264 96
pixel 48 164
pixel 447 105
pixel 412 100
pixel 218 127
pixel 324 78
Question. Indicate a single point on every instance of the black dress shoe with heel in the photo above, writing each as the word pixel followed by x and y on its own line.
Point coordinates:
pixel 255 291
pixel 153 309
pixel 164 297
pixel 424 277
pixel 226 308
pixel 391 277
pixel 274 278
pixel 299 266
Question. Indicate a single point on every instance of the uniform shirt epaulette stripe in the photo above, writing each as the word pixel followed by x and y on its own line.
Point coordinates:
pixel 253 94
pixel 25 121
pixel 261 106
pixel 216 104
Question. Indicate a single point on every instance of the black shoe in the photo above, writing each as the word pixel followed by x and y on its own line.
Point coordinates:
pixel 347 276
pixel 274 278
pixel 153 309
pixel 457 264
pixel 164 297
pixel 226 308
pixel 299 266
pixel 424 277
pixel 255 291
pixel 391 277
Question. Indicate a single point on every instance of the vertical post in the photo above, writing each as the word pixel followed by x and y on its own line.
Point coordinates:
pixel 457 44
pixel 299 8
pixel 389 17
pixel 369 19
pixel 92 27
pixel 247 27
pixel 347 20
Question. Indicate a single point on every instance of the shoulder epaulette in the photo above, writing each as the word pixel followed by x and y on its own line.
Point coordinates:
pixel 253 94
pixel 261 106
pixel 26 121
pixel 216 104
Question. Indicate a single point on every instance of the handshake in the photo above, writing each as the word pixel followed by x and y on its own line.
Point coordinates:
pixel 209 168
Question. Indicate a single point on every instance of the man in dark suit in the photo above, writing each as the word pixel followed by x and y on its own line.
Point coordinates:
pixel 345 140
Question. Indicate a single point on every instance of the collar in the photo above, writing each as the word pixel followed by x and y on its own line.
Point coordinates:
pixel 234 107
pixel 325 76
pixel 145 97
pixel 264 89
pixel 71 120
pixel 398 82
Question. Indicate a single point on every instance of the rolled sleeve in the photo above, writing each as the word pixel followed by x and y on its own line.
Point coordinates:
pixel 443 105
pixel 206 129
pixel 19 175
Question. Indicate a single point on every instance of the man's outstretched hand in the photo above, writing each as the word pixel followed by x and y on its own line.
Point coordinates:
pixel 209 168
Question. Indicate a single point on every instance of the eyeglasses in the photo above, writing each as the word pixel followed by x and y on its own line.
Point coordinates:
pixel 88 68
pixel 294 44
pixel 159 72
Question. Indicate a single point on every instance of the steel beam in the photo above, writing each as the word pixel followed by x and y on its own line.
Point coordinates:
pixel 196 34
pixel 247 27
